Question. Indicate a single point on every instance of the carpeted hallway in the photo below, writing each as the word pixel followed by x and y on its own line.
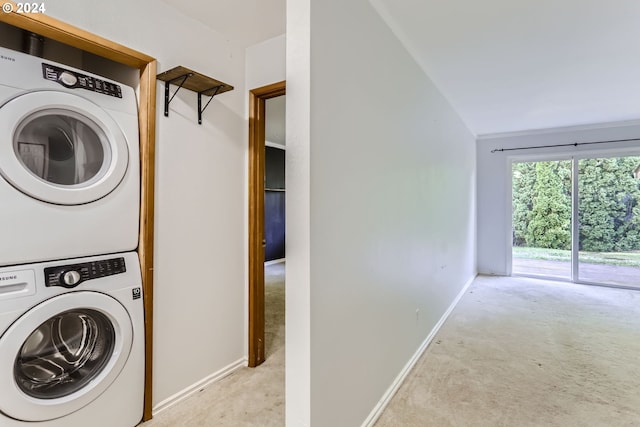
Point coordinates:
pixel 515 352
pixel 525 352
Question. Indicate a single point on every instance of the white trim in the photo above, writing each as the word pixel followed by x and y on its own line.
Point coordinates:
pixel 275 145
pixel 274 261
pixel 508 232
pixel 198 386
pixel 395 385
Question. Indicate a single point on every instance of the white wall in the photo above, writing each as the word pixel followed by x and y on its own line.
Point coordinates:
pixel 384 216
pixel 200 189
pixel 266 62
pixel 298 215
pixel 494 178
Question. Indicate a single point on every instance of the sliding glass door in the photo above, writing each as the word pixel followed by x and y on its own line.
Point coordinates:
pixel 541 236
pixel 577 220
pixel 609 221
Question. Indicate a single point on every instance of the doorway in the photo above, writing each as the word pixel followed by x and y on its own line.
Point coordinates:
pixel 275 189
pixel 257 242
pixel 577 219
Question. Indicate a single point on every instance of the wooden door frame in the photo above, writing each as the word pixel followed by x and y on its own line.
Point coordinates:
pixel 54 29
pixel 257 109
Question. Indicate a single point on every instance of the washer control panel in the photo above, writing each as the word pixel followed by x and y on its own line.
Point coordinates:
pixel 70 276
pixel 73 79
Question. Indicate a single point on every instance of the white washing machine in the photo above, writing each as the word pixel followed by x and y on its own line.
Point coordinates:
pixel 69 162
pixel 72 343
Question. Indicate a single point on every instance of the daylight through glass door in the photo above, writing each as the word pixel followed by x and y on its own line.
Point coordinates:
pixel 609 221
pixel 541 234
pixel 586 231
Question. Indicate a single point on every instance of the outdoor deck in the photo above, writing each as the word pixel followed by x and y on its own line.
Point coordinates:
pixel 592 273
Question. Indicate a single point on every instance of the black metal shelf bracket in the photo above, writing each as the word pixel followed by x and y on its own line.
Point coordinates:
pixel 215 90
pixel 193 81
pixel 167 99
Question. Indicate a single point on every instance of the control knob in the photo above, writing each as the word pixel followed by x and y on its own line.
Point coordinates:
pixel 71 278
pixel 68 79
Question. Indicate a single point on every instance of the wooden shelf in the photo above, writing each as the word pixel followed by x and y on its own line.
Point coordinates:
pixel 194 81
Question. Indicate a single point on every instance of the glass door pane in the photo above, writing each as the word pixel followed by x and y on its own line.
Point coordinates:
pixel 66 149
pixel 541 206
pixel 609 221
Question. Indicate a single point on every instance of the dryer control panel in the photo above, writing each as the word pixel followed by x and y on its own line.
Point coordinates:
pixel 70 276
pixel 73 79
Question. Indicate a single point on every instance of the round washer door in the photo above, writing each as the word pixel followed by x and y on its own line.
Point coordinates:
pixel 61 148
pixel 62 354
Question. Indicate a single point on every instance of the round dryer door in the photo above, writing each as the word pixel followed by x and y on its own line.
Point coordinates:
pixel 62 354
pixel 61 148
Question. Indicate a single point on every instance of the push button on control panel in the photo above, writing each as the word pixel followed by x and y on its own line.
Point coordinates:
pixel 70 276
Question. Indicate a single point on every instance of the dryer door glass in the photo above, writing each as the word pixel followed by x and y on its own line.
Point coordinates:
pixel 64 354
pixel 64 148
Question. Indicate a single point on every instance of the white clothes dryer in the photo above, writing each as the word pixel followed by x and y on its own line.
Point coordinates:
pixel 72 343
pixel 69 162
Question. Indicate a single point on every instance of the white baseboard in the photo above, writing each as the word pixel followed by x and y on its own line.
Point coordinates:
pixel 275 261
pixel 195 388
pixel 395 385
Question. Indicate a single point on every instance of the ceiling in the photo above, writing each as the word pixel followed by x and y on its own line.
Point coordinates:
pixel 514 65
pixel 505 65
pixel 245 21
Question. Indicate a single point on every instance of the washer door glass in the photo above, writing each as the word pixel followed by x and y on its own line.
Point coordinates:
pixel 64 354
pixel 62 148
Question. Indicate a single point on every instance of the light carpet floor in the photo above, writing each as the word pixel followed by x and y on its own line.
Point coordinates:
pixel 524 352
pixel 249 397
pixel 515 352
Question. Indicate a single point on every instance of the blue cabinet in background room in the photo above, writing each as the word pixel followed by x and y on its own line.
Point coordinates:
pixel 274 204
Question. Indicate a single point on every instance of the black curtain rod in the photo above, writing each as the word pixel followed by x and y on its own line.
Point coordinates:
pixel 574 144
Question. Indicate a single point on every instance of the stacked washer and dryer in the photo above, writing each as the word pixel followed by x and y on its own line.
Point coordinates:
pixel 71 310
